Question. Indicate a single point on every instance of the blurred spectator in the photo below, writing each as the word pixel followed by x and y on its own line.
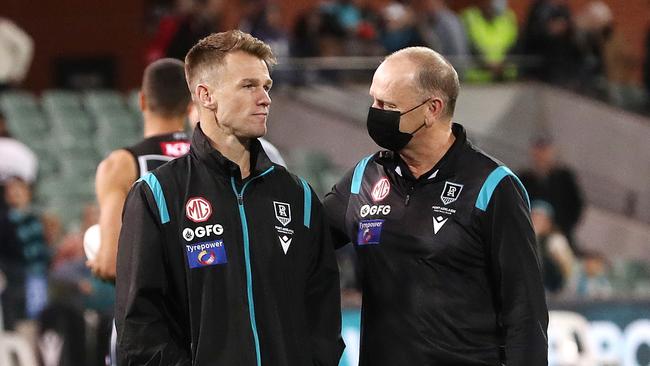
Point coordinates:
pixel 555 254
pixel 442 30
pixel 593 27
pixel 16 51
pixel 556 184
pixel 264 21
pixel 25 259
pixel 549 37
pixel 492 30
pixel 591 280
pixel 398 28
pixel 23 162
pixel 179 31
pixel 317 33
pixel 346 12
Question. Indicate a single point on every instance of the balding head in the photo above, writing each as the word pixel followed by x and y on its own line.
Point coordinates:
pixel 431 74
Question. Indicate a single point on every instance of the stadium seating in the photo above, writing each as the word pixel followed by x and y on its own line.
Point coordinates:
pixel 71 132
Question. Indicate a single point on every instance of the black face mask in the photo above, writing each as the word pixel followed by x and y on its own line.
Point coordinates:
pixel 383 128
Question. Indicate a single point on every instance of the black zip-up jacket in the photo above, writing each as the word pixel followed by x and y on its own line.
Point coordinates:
pixel 448 264
pixel 213 270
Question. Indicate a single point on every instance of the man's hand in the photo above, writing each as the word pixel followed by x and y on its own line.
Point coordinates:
pixel 104 264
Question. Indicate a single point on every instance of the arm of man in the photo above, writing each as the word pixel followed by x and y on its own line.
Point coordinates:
pixel 323 299
pixel 519 292
pixel 147 332
pixel 336 205
pixel 114 177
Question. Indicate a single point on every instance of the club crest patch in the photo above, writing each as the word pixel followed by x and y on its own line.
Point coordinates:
pixel 282 212
pixel 451 192
pixel 369 232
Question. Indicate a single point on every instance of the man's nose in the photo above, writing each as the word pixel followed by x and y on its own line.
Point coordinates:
pixel 265 99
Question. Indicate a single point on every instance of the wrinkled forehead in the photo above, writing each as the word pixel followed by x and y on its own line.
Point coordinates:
pixel 394 80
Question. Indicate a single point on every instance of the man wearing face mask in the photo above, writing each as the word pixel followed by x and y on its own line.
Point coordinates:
pixel 446 248
pixel 224 257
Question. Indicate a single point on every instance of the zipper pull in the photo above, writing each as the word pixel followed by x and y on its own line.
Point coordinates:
pixel 408 195
pixel 240 199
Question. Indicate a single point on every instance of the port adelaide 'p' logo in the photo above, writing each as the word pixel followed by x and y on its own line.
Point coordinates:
pixel 451 192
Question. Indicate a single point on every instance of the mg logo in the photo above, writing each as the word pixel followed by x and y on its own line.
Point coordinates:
pixel 380 190
pixel 198 209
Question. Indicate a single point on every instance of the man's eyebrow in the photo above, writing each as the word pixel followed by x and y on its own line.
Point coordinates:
pixel 255 81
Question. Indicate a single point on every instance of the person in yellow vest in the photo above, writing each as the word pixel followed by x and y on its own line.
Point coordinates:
pixel 492 31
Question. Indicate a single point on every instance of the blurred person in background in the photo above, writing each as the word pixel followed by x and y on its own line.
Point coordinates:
pixel 553 248
pixel 23 162
pixel 549 37
pixel 398 28
pixel 593 28
pixel 16 51
pixel 592 277
pixel 492 30
pixel 442 31
pixel 180 30
pixel 24 260
pixel 549 180
pixel 446 249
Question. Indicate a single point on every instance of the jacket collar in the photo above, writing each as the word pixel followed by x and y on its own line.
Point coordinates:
pixel 445 168
pixel 202 150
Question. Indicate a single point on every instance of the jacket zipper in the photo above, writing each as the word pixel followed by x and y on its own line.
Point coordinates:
pixel 247 258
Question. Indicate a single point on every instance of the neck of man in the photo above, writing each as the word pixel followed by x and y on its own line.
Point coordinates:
pixel 158 125
pixel 233 148
pixel 426 150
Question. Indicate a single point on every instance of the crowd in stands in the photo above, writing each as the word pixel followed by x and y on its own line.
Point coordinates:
pixel 584 51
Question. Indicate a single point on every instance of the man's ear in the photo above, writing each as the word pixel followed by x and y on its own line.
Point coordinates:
pixel 205 97
pixel 435 110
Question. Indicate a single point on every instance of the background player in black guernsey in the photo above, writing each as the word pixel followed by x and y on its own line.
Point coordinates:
pixel 449 272
pixel 164 102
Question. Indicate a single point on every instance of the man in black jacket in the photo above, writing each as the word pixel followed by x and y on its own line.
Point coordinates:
pixel 224 257
pixel 449 272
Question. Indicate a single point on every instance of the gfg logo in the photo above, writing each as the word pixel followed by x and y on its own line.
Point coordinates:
pixel 374 210
pixel 202 231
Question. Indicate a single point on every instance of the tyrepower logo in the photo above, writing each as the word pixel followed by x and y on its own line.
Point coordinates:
pixel 175 148
pixel 380 190
pixel 198 209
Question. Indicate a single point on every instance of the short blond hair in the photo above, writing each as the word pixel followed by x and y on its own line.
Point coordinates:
pixel 211 51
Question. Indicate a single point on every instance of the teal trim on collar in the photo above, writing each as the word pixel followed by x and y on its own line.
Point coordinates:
pixel 158 195
pixel 357 177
